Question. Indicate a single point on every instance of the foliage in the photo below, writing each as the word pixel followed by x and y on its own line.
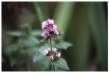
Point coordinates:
pixel 30 45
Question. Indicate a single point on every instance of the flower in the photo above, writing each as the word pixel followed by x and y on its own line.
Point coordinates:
pixel 53 54
pixel 45 34
pixel 49 28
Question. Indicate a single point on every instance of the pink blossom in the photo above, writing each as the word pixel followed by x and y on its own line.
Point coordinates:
pixel 47 22
pixel 45 34
pixel 49 28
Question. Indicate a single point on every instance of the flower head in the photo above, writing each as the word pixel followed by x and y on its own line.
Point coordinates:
pixel 53 54
pixel 49 28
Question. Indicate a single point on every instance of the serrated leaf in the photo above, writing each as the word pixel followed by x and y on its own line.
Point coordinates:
pixel 63 45
pixel 14 33
pixel 36 33
pixel 61 64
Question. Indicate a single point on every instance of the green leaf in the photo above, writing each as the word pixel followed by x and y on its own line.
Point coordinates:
pixel 15 33
pixel 11 48
pixel 63 45
pixel 43 47
pixel 42 61
pixel 59 69
pixel 45 63
pixel 36 33
pixel 61 64
pixel 38 57
pixel 29 50
pixel 30 41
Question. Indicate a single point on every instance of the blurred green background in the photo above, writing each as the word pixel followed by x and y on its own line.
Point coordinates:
pixel 84 24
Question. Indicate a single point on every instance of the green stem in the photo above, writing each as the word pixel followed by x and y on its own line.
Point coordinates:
pixel 50 43
pixel 53 68
pixel 52 65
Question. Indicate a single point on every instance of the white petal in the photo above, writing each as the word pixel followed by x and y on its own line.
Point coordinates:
pixel 59 54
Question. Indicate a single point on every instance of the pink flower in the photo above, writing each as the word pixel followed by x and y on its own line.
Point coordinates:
pixel 45 34
pixel 52 54
pixel 49 28
pixel 47 23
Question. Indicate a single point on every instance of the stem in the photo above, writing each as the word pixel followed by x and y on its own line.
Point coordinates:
pixel 50 43
pixel 53 68
pixel 52 65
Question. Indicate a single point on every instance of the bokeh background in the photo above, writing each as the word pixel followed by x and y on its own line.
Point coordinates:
pixel 84 25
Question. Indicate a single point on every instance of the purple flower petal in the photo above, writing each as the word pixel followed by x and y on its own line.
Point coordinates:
pixel 45 34
pixel 44 24
pixel 49 28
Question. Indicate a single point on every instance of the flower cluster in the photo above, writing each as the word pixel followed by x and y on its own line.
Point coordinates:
pixel 53 53
pixel 49 29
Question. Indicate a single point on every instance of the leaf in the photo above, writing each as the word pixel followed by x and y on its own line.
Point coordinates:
pixel 15 33
pixel 59 69
pixel 45 63
pixel 43 47
pixel 36 33
pixel 19 33
pixel 61 64
pixel 63 45
pixel 29 50
pixel 38 57
pixel 30 41
pixel 42 61
pixel 11 48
